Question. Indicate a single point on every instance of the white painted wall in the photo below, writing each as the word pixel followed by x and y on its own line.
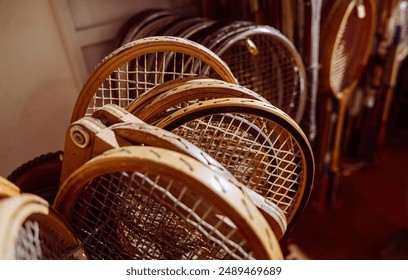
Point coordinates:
pixel 41 57
pixel 37 91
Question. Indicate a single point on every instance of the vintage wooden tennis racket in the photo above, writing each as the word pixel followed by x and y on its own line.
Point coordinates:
pixel 153 203
pixel 345 48
pixel 258 143
pixel 31 230
pixel 134 68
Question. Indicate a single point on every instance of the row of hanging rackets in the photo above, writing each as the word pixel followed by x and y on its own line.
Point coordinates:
pixel 167 156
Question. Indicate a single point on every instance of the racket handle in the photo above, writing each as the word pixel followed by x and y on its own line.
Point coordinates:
pixel 322 187
pixel 333 187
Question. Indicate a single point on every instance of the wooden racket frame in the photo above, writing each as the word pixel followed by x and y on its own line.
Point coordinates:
pixel 7 188
pixel 264 110
pixel 184 26
pixel 194 90
pixel 193 29
pixel 137 22
pixel 152 27
pixel 139 48
pixel 225 30
pixel 215 188
pixel 16 209
pixel 154 92
pixel 330 37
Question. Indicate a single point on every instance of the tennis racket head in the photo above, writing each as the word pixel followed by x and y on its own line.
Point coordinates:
pixel 152 203
pixel 265 61
pixel 346 43
pixel 258 143
pixel 163 100
pixel 134 68
pixel 31 230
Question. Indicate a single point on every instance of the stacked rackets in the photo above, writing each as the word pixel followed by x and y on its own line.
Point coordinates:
pixel 168 157
pixel 260 57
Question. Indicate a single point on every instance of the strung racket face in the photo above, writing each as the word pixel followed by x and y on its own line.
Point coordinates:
pixel 152 203
pixel 138 66
pixel 265 61
pixel 31 230
pixel 346 45
pixel 148 135
pixel 258 143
